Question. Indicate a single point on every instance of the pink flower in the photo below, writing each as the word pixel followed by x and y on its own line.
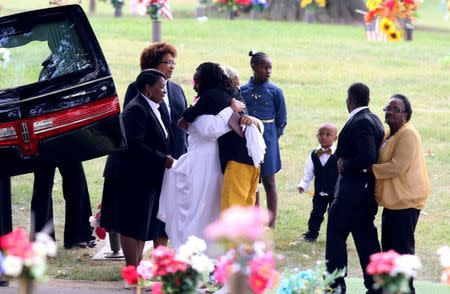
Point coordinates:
pixel 224 269
pixel 17 243
pixel 238 223
pixel 164 261
pixel 157 288
pixel 445 278
pixel 145 269
pixel 382 262
pixel 262 273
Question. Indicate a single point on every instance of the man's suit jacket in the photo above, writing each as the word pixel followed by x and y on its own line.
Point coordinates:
pixel 148 146
pixel 358 144
pixel 177 104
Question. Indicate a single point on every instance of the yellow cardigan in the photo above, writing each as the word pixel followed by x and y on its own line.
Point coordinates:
pixel 401 174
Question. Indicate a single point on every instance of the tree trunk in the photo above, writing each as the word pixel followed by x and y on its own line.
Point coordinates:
pixel 284 10
pixel 92 6
pixel 335 11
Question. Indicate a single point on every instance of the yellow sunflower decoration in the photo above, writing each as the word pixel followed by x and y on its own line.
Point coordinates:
pixel 386 25
pixel 373 4
pixel 305 3
pixel 394 35
pixel 320 3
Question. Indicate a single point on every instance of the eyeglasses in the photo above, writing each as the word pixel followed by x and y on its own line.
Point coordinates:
pixel 169 63
pixel 392 109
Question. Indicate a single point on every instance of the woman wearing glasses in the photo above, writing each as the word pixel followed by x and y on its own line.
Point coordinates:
pixel 402 183
pixel 161 56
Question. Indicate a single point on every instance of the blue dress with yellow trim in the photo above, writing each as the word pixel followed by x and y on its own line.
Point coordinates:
pixel 266 102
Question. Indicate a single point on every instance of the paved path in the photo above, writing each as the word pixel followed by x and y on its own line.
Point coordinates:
pixel 72 287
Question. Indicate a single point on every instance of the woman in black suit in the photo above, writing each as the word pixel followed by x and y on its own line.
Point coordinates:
pixel 133 196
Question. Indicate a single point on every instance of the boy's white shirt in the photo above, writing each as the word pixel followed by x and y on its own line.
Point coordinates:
pixel 308 173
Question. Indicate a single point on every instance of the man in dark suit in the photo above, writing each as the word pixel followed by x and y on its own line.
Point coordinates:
pixel 77 230
pixel 354 207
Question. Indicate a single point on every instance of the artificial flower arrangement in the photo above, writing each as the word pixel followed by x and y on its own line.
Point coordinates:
pixel 391 271
pixel 174 273
pixel 98 232
pixel 23 259
pixel 154 8
pixel 444 258
pixel 261 4
pixel 316 280
pixel 395 15
pixel 249 263
pixel 233 6
pixel 312 4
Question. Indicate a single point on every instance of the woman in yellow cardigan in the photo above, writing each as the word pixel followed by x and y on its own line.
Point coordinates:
pixel 402 183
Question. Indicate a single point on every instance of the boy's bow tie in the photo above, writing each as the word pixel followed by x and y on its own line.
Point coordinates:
pixel 320 151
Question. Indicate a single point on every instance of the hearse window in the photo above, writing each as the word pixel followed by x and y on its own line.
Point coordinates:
pixel 46 51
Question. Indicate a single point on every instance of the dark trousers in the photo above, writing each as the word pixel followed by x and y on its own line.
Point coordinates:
pixel 5 205
pixel 397 232
pixel 340 225
pixel 320 205
pixel 76 195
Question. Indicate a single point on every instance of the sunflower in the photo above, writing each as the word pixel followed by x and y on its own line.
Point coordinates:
pixel 394 35
pixel 321 3
pixel 373 4
pixel 305 3
pixel 386 25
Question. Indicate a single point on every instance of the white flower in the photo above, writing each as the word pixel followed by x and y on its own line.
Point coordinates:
pixel 202 264
pixel 259 247
pixel 145 269
pixel 406 264
pixel 198 245
pixel 48 243
pixel 12 266
pixel 444 256
pixel 4 57
pixel 93 221
pixel 192 247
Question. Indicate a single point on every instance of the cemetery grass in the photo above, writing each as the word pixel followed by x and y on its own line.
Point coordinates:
pixel 314 65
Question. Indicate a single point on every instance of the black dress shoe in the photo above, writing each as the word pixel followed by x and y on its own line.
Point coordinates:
pixel 86 244
pixel 4 283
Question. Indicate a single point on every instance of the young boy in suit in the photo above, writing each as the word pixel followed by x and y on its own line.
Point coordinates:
pixel 321 165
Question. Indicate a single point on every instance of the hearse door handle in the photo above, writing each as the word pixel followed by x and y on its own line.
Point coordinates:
pixel 81 93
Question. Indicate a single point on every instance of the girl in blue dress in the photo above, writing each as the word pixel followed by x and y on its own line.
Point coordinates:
pixel 265 101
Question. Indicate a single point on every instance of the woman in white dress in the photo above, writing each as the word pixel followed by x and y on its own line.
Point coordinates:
pixel 190 195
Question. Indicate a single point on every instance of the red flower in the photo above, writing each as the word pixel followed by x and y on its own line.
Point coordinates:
pixel 390 4
pixel 100 232
pixel 130 275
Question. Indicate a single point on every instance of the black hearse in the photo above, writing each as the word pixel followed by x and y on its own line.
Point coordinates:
pixel 57 97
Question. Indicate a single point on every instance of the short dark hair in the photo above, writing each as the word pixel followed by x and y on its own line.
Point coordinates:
pixel 211 75
pixel 359 93
pixel 148 77
pixel 408 107
pixel 256 57
pixel 153 54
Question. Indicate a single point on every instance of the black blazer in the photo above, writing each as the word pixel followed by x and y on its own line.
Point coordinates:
pixel 147 145
pixel 359 141
pixel 358 144
pixel 177 104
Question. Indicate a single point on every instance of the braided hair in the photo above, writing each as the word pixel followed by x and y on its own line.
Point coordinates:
pixel 256 57
pixel 211 75
pixel 408 108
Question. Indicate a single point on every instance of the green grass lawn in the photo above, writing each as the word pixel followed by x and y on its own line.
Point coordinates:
pixel 314 65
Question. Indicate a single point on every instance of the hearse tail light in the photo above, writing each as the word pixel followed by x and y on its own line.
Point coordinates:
pixel 7 133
